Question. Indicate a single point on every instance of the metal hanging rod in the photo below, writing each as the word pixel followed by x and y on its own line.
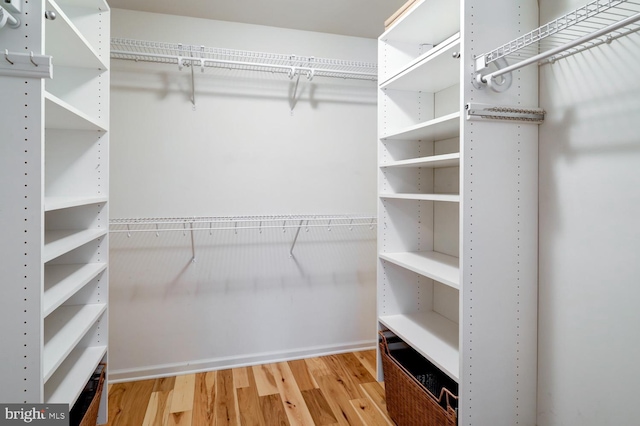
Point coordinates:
pixel 236 223
pixel 205 57
pixel 593 24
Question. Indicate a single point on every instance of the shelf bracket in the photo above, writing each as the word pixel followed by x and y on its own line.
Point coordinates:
pixel 501 113
pixel 295 239
pixel 25 65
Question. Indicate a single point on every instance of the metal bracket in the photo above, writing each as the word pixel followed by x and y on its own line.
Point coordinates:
pixel 25 65
pixel 501 113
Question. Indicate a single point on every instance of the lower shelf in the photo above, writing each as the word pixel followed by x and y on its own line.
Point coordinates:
pixel 67 383
pixel 432 335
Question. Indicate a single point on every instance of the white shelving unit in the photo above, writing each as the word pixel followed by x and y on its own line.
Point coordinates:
pixel 458 208
pixel 54 172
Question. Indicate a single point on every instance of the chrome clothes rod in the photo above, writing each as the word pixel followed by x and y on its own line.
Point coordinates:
pixel 236 223
pixel 571 33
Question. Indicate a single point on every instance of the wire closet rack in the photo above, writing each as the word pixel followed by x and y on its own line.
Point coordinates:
pixel 203 57
pixel 596 23
pixel 234 224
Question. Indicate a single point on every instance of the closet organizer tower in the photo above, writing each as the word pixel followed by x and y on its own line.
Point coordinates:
pixel 457 217
pixel 54 185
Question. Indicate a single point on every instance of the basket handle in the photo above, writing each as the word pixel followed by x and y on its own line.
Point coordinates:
pixel 383 340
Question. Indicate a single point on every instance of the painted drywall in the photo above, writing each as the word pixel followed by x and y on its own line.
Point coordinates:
pixel 589 343
pixel 243 150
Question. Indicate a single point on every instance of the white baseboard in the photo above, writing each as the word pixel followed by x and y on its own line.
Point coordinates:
pixel 164 370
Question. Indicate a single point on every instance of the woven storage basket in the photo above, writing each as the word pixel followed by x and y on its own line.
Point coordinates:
pixel 90 417
pixel 409 402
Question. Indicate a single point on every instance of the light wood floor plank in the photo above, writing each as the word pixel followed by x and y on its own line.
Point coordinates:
pixel 183 393
pixel 319 407
pixel 158 409
pixel 204 399
pixel 338 399
pixel 226 410
pixel 295 407
pixel 302 375
pixel 367 412
pixel 182 418
pixel 128 402
pixel 249 405
pixel 273 410
pixel 164 384
pixel 352 366
pixel 311 392
pixel 240 378
pixel 375 392
pixel 317 367
pixel 368 360
pixel 264 380
pixel 343 376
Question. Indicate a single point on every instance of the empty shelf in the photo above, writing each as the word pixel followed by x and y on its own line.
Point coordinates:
pixel 431 72
pixel 64 328
pixel 431 334
pixel 445 127
pixel 63 281
pixel 57 243
pixel 62 115
pixel 452 198
pixel 67 383
pixel 429 21
pixel 434 161
pixel 438 266
pixel 57 203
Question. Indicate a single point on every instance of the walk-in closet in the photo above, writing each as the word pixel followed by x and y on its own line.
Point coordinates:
pixel 389 212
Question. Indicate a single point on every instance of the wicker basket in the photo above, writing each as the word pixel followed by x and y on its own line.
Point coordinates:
pixel 409 402
pixel 90 416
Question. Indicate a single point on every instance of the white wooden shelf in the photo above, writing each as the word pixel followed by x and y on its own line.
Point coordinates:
pixel 67 44
pixel 434 161
pixel 428 21
pixel 57 243
pixel 431 72
pixel 71 377
pixel 61 115
pixel 64 328
pixel 445 127
pixel 451 198
pixel 437 266
pixel 63 281
pixel 58 203
pixel 89 4
pixel 432 335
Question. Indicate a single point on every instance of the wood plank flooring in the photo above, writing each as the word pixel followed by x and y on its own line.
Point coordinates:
pixel 325 391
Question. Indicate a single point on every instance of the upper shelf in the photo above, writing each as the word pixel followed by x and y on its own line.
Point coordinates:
pixel 211 57
pixel 433 71
pixel 596 23
pixel 427 22
pixel 68 46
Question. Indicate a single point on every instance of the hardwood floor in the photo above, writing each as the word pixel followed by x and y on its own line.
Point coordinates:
pixel 325 391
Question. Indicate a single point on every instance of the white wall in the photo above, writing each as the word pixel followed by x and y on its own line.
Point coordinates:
pixel 589 344
pixel 242 151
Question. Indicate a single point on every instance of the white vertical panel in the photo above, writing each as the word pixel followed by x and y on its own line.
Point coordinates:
pixel 499 234
pixel 589 343
pixel 21 119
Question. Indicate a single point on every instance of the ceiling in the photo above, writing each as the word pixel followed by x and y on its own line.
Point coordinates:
pixel 359 18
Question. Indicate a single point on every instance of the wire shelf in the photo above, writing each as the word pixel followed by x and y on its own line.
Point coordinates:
pixel 593 24
pixel 235 223
pixel 189 225
pixel 207 57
